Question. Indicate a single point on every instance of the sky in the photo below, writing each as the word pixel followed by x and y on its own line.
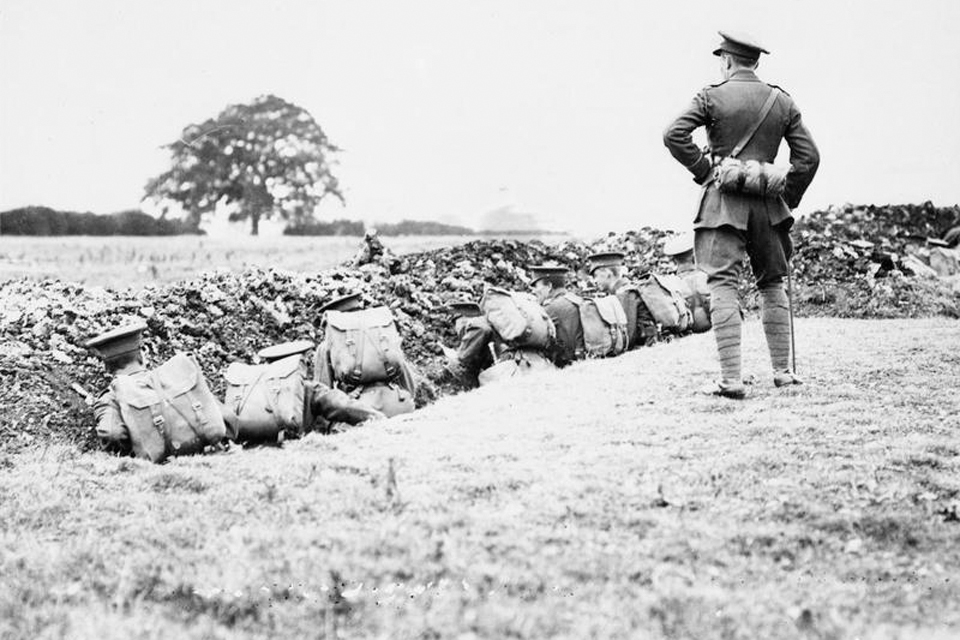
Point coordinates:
pixel 447 109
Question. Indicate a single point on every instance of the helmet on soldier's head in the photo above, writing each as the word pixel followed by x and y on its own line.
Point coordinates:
pixel 117 342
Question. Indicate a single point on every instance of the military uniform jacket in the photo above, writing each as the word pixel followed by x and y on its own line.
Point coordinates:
pixel 111 428
pixel 566 319
pixel 728 110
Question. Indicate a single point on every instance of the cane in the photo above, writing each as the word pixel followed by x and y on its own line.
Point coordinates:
pixel 793 344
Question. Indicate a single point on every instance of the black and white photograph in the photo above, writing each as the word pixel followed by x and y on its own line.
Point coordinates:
pixel 479 319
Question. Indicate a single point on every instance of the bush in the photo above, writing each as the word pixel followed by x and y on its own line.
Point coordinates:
pixel 44 221
pixel 340 227
pixel 422 228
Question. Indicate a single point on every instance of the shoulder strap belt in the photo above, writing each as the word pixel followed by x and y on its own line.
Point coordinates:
pixel 774 92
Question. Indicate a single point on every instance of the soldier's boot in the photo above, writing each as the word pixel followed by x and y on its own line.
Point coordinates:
pixel 775 315
pixel 786 378
pixel 727 320
pixel 732 390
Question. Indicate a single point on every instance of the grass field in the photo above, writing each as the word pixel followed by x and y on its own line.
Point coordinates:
pixel 119 261
pixel 608 500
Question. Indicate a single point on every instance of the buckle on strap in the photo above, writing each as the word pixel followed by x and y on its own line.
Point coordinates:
pixel 198 409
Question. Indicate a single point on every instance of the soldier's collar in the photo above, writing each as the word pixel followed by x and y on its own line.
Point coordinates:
pixel 744 75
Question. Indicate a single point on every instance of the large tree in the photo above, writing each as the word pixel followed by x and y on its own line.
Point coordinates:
pixel 269 157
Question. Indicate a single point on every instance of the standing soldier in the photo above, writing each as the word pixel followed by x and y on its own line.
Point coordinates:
pixel 550 286
pixel 746 203
pixel 606 270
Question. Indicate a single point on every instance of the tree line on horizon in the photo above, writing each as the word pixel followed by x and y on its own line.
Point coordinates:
pixel 46 221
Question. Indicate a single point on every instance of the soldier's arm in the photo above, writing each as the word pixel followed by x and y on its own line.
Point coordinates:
pixel 564 350
pixel 678 137
pixel 629 299
pixel 407 378
pixel 474 351
pixel 110 427
pixel 334 405
pixel 322 371
pixel 804 158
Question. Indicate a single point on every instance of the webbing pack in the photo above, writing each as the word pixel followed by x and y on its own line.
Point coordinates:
pixel 364 345
pixel 170 410
pixel 518 318
pixel 604 324
pixel 267 398
pixel 664 297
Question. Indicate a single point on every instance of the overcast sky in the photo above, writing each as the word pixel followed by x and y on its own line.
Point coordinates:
pixel 446 109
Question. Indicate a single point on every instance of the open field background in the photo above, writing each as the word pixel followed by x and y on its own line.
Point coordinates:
pixel 608 500
pixel 135 261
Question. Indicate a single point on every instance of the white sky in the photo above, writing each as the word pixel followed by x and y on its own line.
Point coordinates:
pixel 448 108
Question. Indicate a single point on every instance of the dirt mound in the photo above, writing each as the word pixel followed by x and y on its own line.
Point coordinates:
pixel 225 316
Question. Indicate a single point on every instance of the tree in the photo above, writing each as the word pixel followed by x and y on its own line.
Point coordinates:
pixel 268 158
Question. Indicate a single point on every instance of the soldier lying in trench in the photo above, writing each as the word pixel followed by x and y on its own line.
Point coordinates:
pixel 170 410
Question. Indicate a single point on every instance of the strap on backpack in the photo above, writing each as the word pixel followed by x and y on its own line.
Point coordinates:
pixel 194 403
pixel 764 111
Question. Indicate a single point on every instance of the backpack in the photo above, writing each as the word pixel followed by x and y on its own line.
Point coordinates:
pixel 517 363
pixel 389 398
pixel 518 318
pixel 169 410
pixel 604 323
pixel 664 297
pixel 364 345
pixel 269 399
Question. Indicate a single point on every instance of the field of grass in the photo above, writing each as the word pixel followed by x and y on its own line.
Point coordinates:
pixel 119 261
pixel 608 500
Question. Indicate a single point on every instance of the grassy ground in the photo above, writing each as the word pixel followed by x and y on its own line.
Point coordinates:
pixel 120 261
pixel 604 501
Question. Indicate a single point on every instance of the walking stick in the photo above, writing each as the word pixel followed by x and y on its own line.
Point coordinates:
pixel 793 344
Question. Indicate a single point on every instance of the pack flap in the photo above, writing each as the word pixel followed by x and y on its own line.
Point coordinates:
pixel 669 282
pixel 240 374
pixel 176 376
pixel 611 310
pixel 352 320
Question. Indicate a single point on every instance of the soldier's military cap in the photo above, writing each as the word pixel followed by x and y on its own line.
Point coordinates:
pixel 117 342
pixel 277 351
pixel 739 44
pixel 465 308
pixel 605 259
pixel 676 245
pixel 555 273
pixel 349 302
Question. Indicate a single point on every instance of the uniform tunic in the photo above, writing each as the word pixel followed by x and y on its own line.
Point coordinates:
pixel 565 315
pixel 110 426
pixel 641 327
